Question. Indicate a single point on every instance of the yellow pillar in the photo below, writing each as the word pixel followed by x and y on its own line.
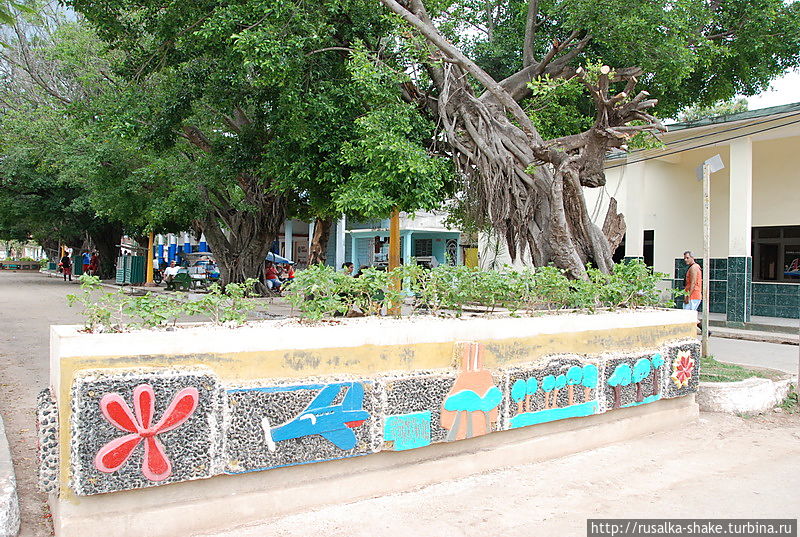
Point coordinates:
pixel 394 253
pixel 149 260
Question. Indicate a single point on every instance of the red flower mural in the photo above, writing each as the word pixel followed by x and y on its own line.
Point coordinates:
pixel 155 466
pixel 682 368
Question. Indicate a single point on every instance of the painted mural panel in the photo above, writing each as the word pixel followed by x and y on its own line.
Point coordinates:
pixel 139 428
pixel 634 379
pixel 412 408
pixel 557 388
pixel 682 368
pixel 471 407
pixel 134 428
pixel 288 424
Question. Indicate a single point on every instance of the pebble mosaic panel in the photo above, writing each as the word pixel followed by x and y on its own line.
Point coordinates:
pixel 413 403
pixel 47 435
pixel 289 423
pixel 682 365
pixel 558 388
pixel 139 428
pixel 144 427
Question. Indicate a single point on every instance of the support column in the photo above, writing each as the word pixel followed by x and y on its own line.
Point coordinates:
pixel 340 245
pixel 739 292
pixel 160 249
pixel 203 246
pixel 172 247
pixel 187 245
pixel 288 244
pixel 407 248
pixel 354 253
pixel 310 235
pixel 634 210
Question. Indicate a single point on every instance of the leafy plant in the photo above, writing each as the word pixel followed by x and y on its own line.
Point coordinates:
pixel 223 305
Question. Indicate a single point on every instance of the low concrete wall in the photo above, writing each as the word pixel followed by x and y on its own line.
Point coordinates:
pixel 750 396
pixel 9 504
pixel 385 405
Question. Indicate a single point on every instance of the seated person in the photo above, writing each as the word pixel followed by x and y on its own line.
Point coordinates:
pixel 287 274
pixel 271 277
pixel 171 271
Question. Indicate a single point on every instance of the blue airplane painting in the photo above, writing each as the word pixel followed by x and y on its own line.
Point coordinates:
pixel 334 423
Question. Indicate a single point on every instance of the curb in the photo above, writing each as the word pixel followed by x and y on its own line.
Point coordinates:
pixel 9 505
pixel 749 396
pixel 762 337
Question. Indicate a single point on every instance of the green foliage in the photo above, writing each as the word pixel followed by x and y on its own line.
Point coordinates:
pixel 101 314
pixel 712 370
pixel 320 291
pixel 720 108
pixel 791 404
pixel 115 312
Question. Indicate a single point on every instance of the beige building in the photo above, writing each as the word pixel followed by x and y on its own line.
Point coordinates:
pixel 755 207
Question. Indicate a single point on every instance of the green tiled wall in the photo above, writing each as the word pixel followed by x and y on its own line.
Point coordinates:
pixel 765 299
pixel 740 289
pixel 718 284
pixel 776 299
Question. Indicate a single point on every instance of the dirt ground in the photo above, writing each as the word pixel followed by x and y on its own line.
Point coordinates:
pixel 721 466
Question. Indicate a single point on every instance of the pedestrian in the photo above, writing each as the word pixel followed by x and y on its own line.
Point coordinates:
pixel 693 283
pixel 347 268
pixel 94 264
pixel 87 260
pixel 66 267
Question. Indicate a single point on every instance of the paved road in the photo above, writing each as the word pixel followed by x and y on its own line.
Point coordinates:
pixel 754 353
pixel 722 466
pixel 29 304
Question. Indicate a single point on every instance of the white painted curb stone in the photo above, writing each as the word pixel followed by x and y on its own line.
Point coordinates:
pixel 750 396
pixel 9 506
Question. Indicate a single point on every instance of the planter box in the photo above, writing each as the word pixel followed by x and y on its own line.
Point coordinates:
pixel 393 403
pixel 749 396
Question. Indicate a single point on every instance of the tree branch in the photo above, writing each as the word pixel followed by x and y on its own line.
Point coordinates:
pixel 196 137
pixel 440 42
pixel 530 30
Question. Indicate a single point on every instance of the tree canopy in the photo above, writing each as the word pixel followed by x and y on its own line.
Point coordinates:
pixel 226 117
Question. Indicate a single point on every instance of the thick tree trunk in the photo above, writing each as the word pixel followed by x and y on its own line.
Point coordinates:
pixel 105 241
pixel 319 241
pixel 240 250
pixel 528 189
pixel 614 226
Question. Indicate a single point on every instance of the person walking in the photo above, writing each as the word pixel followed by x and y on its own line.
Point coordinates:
pixel 94 264
pixel 692 283
pixel 66 266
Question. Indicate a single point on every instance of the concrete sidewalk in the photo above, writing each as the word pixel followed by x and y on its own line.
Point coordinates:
pixel 765 329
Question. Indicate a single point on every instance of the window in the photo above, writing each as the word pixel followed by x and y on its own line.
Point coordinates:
pixel 776 253
pixel 423 247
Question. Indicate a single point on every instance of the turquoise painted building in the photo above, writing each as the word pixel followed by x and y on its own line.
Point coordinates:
pixel 423 236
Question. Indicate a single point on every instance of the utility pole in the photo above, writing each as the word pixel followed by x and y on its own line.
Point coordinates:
pixel 706 254
pixel 394 254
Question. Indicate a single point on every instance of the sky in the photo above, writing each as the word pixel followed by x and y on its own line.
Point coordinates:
pixel 784 90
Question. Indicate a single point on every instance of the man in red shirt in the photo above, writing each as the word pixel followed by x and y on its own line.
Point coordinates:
pixel 271 277
pixel 693 283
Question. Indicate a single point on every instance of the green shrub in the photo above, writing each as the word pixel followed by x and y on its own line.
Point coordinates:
pixel 112 312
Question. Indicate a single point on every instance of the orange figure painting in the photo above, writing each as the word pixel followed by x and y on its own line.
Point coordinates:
pixel 470 407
